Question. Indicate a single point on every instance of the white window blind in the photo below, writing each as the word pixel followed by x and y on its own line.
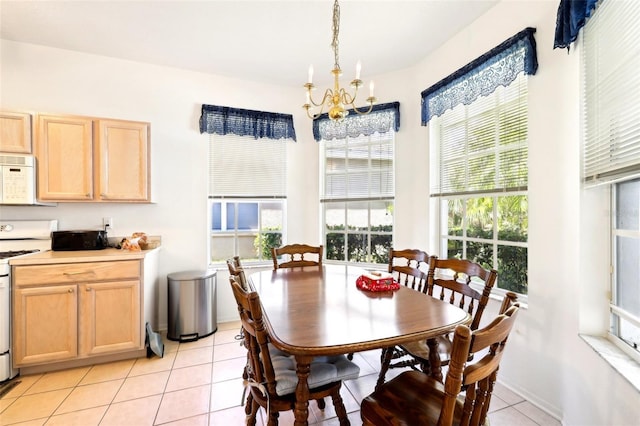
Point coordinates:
pixel 611 111
pixel 241 166
pixel 483 146
pixel 359 167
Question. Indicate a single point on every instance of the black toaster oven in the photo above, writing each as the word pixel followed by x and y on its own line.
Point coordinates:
pixel 78 240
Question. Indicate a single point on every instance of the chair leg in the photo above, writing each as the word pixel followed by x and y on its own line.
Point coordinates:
pixel 251 410
pixel 425 367
pixel 321 403
pixel 273 418
pixel 341 411
pixel 385 361
pixel 485 408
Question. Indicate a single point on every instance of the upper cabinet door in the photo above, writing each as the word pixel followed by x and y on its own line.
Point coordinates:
pixel 122 160
pixel 15 132
pixel 64 154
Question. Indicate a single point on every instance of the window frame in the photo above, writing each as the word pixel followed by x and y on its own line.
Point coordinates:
pixel 614 310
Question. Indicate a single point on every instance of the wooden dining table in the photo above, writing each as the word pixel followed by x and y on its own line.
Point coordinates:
pixel 315 311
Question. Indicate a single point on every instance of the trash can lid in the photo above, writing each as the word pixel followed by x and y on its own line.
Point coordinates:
pixel 191 275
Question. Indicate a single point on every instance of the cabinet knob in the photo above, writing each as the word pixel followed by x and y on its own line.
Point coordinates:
pixel 70 290
pixel 89 288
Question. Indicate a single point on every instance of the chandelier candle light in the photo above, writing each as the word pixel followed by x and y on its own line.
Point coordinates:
pixel 335 100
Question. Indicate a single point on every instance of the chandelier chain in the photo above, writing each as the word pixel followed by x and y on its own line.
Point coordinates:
pixel 336 29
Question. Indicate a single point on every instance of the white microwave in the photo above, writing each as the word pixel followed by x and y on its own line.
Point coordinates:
pixel 17 179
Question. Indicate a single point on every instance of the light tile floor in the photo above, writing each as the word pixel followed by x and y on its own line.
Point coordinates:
pixel 196 383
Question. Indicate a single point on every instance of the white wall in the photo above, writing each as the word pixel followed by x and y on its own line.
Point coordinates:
pixel 39 79
pixel 546 361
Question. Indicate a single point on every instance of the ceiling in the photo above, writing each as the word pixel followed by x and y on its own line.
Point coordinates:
pixel 260 40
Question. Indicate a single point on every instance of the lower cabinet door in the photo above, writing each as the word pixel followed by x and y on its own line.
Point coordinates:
pixel 45 326
pixel 110 317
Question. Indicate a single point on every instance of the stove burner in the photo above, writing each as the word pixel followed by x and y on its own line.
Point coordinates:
pixel 8 254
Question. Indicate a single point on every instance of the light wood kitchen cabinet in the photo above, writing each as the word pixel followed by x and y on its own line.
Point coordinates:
pixel 92 159
pixel 64 154
pixel 15 132
pixel 72 311
pixel 122 171
pixel 109 317
pixel 45 326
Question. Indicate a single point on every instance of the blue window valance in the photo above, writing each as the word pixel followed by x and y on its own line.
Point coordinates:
pixel 498 67
pixel 244 122
pixel 381 119
pixel 572 15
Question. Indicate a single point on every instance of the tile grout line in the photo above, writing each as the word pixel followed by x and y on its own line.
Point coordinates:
pixel 164 389
pixel 116 393
pixel 66 397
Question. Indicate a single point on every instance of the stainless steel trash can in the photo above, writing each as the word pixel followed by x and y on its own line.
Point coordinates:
pixel 192 305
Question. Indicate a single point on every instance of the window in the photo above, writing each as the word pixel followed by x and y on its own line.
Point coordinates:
pixel 358 217
pixel 246 201
pixel 246 228
pixel 479 154
pixel 481 180
pixel 611 151
pixel 358 189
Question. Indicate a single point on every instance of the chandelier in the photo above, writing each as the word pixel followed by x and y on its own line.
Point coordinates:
pixel 335 100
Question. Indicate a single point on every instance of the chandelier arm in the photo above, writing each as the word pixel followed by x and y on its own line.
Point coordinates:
pixel 347 98
pixel 307 107
pixel 328 94
pixel 371 100
pixel 313 116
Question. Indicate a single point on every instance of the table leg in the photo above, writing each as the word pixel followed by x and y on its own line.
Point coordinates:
pixel 434 359
pixel 385 360
pixel 301 411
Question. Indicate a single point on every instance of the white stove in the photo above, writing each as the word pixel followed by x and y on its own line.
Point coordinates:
pixel 17 238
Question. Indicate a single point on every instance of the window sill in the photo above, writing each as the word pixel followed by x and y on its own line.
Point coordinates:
pixel 621 362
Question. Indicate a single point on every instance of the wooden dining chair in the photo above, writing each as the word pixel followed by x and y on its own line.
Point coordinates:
pixel 449 280
pixel 409 267
pixel 272 374
pixel 414 398
pixel 293 256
